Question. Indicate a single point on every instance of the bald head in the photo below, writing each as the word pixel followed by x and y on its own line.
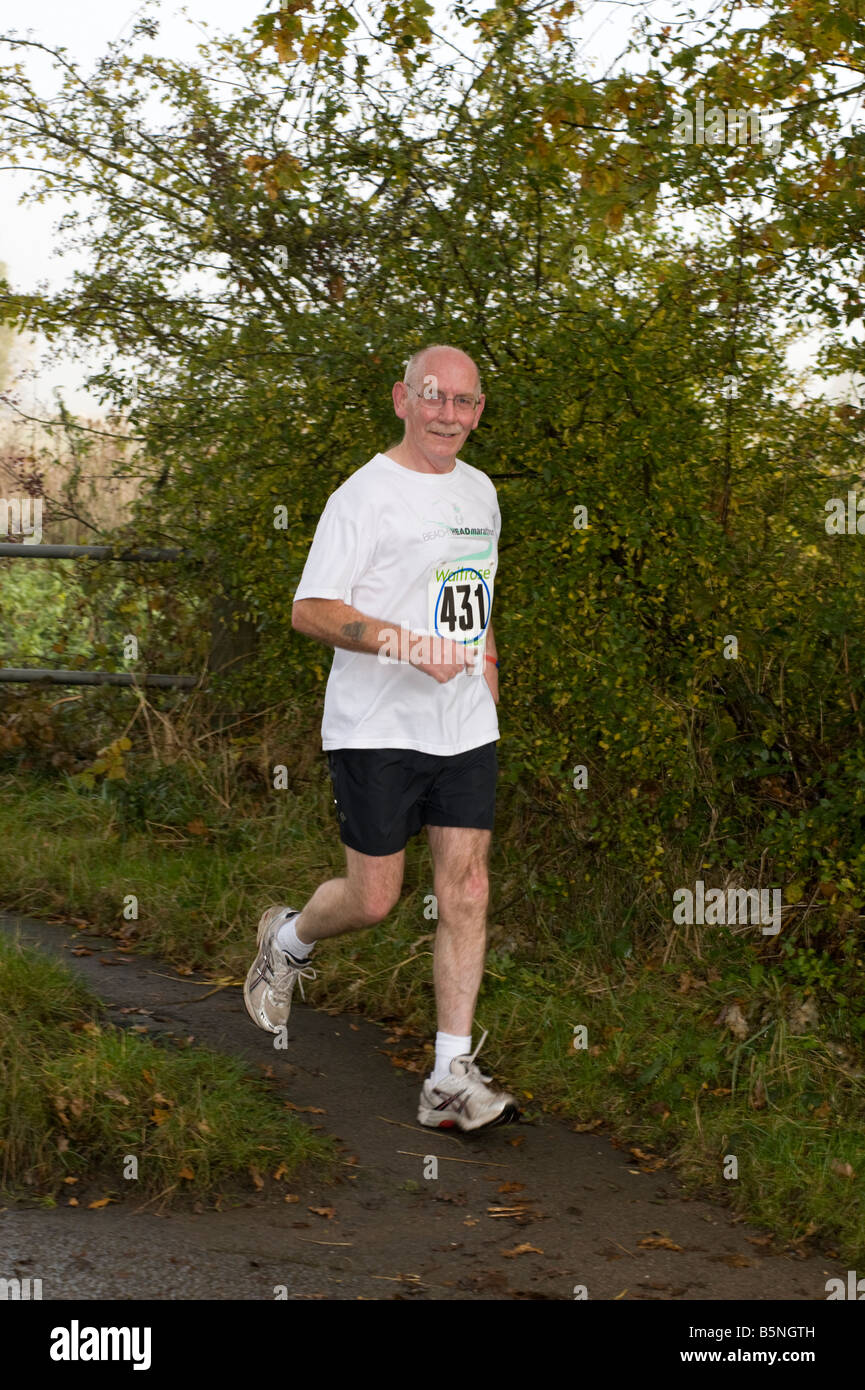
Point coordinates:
pixel 435 360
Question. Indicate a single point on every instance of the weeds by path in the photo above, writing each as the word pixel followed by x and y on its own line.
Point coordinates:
pixel 84 1101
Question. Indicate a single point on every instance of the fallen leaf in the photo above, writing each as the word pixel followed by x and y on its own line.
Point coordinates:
pixel 842 1170
pixel 256 1177
pixel 70 1179
pixel 280 1172
pixel 803 1018
pixel 148 1076
pixel 732 1018
pixel 197 826
pixel 62 1144
pixel 291 1197
pixel 304 1109
pixel 658 1243
pixel 186 1173
pixel 159 1099
pixel 734 1261
pixel 102 1202
pixel 328 1212
pixel 160 1116
pixel 649 1163
pixel 510 1186
pixel 760 1240
pixel 589 1125
pixel 117 1095
pixel 522 1250
pixel 407 1064
pixel 73 1202
pixel 515 1143
pixel 81 951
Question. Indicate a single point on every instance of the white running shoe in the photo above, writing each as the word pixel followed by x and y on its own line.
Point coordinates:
pixel 273 974
pixel 463 1099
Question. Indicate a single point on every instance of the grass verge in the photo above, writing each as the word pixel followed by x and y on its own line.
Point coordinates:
pixel 84 1102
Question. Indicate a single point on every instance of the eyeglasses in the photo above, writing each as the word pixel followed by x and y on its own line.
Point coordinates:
pixel 436 401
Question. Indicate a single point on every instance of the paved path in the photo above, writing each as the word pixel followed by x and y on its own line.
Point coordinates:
pixel 583 1205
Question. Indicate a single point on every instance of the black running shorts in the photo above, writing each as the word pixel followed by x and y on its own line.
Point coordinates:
pixel 383 796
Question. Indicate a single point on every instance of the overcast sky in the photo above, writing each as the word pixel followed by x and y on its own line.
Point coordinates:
pixel 27 241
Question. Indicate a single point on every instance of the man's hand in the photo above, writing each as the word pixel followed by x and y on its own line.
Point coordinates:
pixel 442 659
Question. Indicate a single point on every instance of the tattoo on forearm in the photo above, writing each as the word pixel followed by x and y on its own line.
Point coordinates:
pixel 355 631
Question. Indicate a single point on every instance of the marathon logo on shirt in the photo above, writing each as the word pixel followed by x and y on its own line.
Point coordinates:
pixel 457 531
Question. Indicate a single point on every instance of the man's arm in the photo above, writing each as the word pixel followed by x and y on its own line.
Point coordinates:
pixel 337 624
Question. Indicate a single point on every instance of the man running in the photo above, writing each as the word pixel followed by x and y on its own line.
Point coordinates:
pixel 399 580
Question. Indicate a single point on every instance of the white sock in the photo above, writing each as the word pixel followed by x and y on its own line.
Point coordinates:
pixel 448 1046
pixel 288 940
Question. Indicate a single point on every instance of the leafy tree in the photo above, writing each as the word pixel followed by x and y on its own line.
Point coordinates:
pixel 306 214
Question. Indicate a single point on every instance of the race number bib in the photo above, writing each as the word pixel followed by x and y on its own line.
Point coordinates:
pixel 459 605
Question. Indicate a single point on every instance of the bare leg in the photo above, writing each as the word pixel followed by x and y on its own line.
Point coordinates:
pixel 361 899
pixel 461 886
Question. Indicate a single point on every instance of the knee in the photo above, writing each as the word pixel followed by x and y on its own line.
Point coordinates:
pixel 374 904
pixel 471 889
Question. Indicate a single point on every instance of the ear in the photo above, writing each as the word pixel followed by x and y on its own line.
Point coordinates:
pixel 400 399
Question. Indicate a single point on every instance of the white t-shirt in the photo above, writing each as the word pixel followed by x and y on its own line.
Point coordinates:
pixel 418 550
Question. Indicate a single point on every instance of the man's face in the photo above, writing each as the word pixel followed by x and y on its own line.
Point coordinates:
pixel 438 432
